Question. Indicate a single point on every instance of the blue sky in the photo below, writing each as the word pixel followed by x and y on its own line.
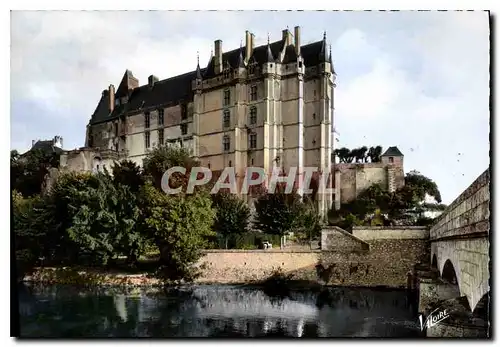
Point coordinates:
pixel 418 80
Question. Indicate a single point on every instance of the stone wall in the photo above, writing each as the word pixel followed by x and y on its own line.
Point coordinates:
pixel 388 233
pixel 386 264
pixel 335 239
pixel 344 260
pixel 241 266
pixel 354 178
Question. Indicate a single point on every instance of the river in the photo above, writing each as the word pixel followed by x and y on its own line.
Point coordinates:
pixel 214 311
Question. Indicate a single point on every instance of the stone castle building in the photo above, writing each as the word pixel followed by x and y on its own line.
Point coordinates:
pixel 267 106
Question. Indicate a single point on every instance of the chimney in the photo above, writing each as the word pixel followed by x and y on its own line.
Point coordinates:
pixel 252 43
pixel 297 40
pixel 248 45
pixel 286 36
pixel 111 98
pixel 32 143
pixel 152 80
pixel 218 56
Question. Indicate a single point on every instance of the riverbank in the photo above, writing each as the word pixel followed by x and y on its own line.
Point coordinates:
pixel 98 277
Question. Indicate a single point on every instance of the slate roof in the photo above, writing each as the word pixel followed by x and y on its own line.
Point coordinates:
pixel 47 146
pixel 173 90
pixel 393 152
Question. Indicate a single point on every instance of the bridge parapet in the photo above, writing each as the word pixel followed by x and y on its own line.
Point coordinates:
pixel 468 214
pixel 460 237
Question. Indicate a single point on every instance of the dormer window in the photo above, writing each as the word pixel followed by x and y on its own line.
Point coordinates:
pixel 251 68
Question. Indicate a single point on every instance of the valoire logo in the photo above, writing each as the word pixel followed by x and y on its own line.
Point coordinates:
pixel 433 318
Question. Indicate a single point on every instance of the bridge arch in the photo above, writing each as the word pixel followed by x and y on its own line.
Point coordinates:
pixel 449 274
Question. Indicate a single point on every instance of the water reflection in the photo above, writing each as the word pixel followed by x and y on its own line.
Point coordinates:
pixel 214 311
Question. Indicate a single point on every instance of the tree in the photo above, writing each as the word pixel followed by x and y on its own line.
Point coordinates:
pixel 277 213
pixel 28 171
pixel 68 194
pixel 28 231
pixel 309 224
pixel 162 158
pixel 374 154
pixel 180 226
pixel 104 223
pixel 232 215
pixel 129 174
pixel 404 206
pixel 343 154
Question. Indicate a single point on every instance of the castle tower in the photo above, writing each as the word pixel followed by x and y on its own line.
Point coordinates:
pixel 393 158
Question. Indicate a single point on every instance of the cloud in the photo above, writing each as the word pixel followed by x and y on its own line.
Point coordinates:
pixel 433 110
pixel 412 79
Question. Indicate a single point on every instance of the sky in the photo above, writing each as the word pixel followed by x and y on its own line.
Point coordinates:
pixel 415 80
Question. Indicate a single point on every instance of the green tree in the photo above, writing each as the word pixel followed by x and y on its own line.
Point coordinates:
pixel 180 225
pixel 377 205
pixel 343 154
pixel 162 158
pixel 29 170
pixel 104 223
pixel 309 223
pixel 232 215
pixel 68 194
pixel 277 213
pixel 28 231
pixel 374 154
pixel 129 174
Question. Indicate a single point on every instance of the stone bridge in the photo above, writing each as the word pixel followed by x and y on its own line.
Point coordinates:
pixel 460 243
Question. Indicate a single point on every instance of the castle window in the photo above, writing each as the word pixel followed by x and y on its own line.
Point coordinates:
pixel 184 129
pixel 116 147
pixel 161 136
pixel 116 129
pixel 253 141
pixel 209 165
pixel 253 93
pixel 161 119
pixel 147 120
pixel 252 161
pixel 251 68
pixel 253 115
pixel 147 139
pixel 227 97
pixel 226 119
pixel 300 64
pixel 226 143
pixel 230 163
pixel 391 159
pixel 184 113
